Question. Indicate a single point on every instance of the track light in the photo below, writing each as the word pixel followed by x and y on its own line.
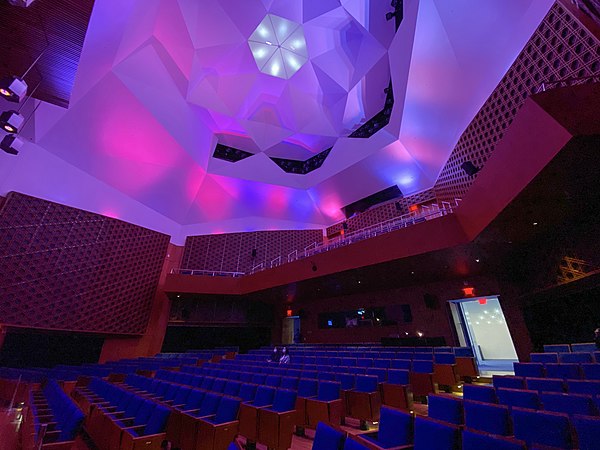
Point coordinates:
pixel 11 144
pixel 21 3
pixel 13 89
pixel 11 121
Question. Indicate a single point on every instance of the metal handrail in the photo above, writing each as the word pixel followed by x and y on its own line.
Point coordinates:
pixel 428 212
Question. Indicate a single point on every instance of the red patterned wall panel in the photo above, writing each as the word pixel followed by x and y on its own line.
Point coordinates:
pixel 381 213
pixel 233 252
pixel 64 268
pixel 560 48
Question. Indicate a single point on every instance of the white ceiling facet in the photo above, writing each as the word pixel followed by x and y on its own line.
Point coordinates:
pixel 162 82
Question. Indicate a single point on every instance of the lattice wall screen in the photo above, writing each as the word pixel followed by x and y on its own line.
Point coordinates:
pixel 560 48
pixel 64 268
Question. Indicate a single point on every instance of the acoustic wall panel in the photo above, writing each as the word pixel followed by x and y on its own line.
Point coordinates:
pixel 68 269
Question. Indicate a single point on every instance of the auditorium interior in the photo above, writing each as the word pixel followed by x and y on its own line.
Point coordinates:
pixel 274 224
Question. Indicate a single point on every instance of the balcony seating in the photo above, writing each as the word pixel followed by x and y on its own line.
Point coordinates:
pixel 328 438
pixel 364 401
pixel 276 422
pixel 473 440
pixel 542 428
pixel 326 406
pixel 487 417
pixel 396 391
pixel 396 428
pixel 446 408
pixel 432 434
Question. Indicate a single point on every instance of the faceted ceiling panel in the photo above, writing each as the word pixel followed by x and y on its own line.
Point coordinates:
pixel 162 82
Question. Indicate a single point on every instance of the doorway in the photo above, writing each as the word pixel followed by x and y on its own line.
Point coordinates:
pixel 290 331
pixel 481 325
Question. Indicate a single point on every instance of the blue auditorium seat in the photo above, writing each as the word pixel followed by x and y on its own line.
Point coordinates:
pixel 403 364
pixel 591 387
pixel 247 392
pixel 542 427
pixel 276 422
pixel 535 370
pixel 215 432
pixel 446 408
pixel 232 388
pixel 380 373
pixel 543 357
pixel 479 393
pixel 587 430
pixel 327 406
pixel 518 397
pixel 364 401
pixel 396 428
pixel 568 403
pixel 508 381
pixel 565 371
pixel 591 371
pixel 150 434
pixel 351 444
pixel 579 357
pixel 249 411
pixel 473 440
pixel 557 348
pixel 487 417
pixel 584 347
pixel 328 438
pixel 545 384
pixel 432 434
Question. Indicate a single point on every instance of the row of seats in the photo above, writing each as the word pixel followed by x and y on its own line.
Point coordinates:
pixel 575 357
pixel 591 387
pixel 52 416
pixel 572 371
pixel 567 348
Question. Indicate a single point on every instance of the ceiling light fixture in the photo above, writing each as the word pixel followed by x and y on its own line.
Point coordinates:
pixel 12 121
pixel 21 3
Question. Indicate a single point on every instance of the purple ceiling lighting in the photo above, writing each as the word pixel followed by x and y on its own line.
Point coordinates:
pixel 162 82
pixel 278 46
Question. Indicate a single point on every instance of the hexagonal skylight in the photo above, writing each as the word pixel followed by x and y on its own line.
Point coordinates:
pixel 278 46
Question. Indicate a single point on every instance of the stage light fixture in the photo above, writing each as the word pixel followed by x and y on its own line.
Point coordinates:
pixel 11 144
pixel 11 121
pixel 13 89
pixel 21 3
pixel 390 15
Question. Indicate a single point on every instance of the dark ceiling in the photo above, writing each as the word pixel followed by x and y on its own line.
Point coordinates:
pixel 24 32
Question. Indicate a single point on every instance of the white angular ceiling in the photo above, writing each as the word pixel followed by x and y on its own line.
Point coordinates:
pixel 161 82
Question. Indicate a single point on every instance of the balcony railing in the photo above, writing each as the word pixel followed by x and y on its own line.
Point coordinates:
pixel 427 212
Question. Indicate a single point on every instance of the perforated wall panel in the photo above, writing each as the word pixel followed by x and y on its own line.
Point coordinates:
pixel 64 268
pixel 383 212
pixel 233 252
pixel 560 48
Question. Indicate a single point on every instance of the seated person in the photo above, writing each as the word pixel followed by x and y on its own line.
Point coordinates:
pixel 285 356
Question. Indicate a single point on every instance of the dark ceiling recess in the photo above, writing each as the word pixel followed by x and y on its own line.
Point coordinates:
pixel 230 154
pixel 24 31
pixel 379 120
pixel 372 200
pixel 302 167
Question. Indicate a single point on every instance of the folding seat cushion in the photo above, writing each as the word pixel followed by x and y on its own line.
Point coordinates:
pixel 530 370
pixel 328 438
pixel 432 434
pixel 479 393
pixel 446 408
pixel 587 430
pixel 216 432
pixel 474 440
pixel 508 381
pixel 276 422
pixel 249 411
pixel 542 428
pixel 364 401
pixel 351 444
pixel 579 357
pixel 487 417
pixel 557 348
pixel 396 391
pixel 396 428
pixel 149 435
pixel 327 406
pixel 591 371
pixel 567 371
pixel 518 397
pixel 545 384
pixel 568 403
